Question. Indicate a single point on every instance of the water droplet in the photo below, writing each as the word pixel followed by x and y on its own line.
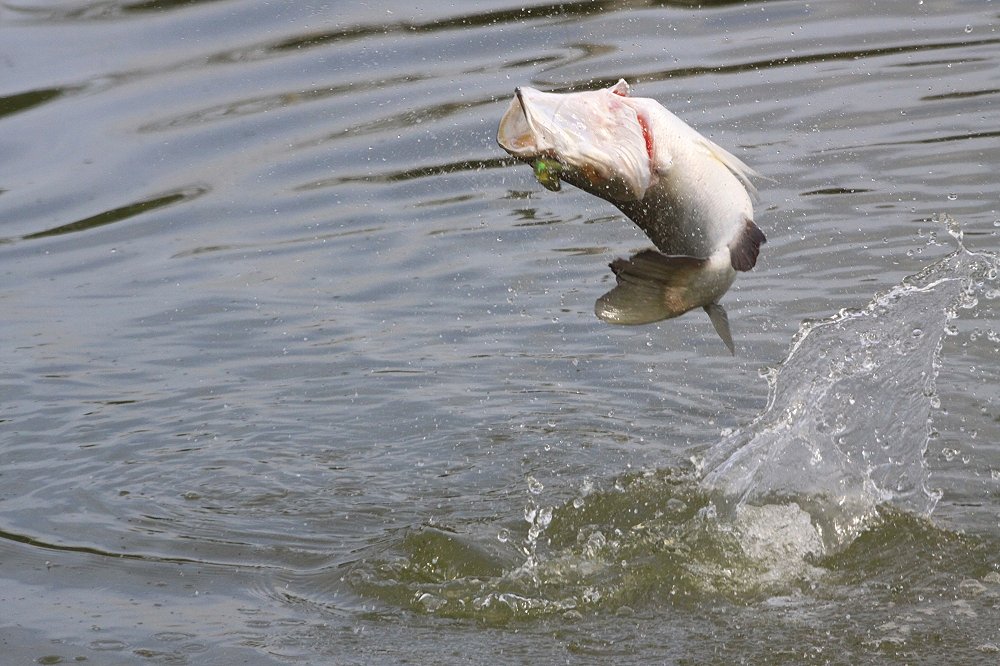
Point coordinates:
pixel 676 505
pixel 952 197
pixel 535 486
pixel 968 29
pixel 503 536
pixel 431 602
pixel 544 517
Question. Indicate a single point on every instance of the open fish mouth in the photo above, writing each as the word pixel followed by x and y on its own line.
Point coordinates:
pixel 600 142
pixel 517 135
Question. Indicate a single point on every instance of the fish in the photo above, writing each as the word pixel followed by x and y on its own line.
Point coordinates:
pixel 691 197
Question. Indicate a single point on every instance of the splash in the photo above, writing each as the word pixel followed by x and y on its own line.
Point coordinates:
pixel 838 449
pixel 848 415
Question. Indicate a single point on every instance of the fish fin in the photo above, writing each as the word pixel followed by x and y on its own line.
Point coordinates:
pixel 651 287
pixel 631 304
pixel 653 266
pixel 621 88
pixel 720 320
pixel 743 249
pixel 737 166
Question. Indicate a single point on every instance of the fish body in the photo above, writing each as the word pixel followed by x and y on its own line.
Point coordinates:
pixel 690 196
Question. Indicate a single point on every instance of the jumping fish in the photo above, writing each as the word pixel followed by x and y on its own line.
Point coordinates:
pixel 690 196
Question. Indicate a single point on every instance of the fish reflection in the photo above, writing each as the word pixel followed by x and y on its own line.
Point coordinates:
pixel 689 195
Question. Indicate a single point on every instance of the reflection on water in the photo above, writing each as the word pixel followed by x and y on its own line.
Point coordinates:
pixel 23 101
pixel 120 213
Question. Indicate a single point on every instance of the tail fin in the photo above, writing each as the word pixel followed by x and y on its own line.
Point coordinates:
pixel 651 287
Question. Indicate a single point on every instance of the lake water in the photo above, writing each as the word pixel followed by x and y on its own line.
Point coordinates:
pixel 299 367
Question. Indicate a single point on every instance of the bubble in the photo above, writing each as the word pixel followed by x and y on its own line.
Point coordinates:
pixel 968 29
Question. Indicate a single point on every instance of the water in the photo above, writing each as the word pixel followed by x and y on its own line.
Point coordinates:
pixel 825 463
pixel 300 369
pixel 847 423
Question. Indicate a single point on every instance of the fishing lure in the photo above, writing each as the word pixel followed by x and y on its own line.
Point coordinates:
pixel 547 172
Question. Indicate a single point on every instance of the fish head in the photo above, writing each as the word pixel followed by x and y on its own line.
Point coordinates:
pixel 594 140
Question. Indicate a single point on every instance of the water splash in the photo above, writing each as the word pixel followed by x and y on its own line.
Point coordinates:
pixel 848 415
pixel 837 451
pixel 645 538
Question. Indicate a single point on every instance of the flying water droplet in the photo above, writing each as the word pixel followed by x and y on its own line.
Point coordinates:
pixel 535 486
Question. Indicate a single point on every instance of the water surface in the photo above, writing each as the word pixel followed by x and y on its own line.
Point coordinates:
pixel 290 344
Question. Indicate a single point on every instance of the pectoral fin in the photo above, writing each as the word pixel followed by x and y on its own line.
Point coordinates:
pixel 720 320
pixel 743 249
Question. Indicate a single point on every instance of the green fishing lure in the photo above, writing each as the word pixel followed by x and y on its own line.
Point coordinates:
pixel 547 172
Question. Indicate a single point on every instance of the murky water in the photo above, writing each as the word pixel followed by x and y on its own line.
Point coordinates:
pixel 299 368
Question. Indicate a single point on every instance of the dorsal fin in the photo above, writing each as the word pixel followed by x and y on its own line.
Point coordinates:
pixel 737 166
pixel 743 249
pixel 621 88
